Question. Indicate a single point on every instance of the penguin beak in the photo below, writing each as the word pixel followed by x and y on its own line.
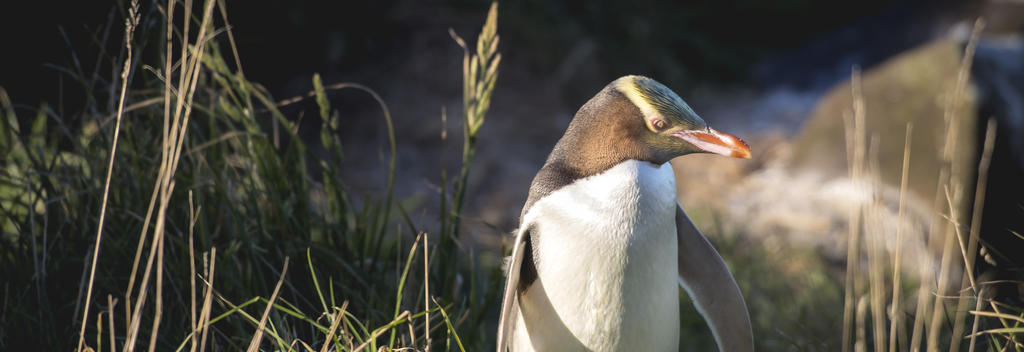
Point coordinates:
pixel 711 141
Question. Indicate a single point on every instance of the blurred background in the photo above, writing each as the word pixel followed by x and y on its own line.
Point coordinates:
pixel 777 73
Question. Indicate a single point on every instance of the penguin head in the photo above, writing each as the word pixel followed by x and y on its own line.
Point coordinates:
pixel 672 127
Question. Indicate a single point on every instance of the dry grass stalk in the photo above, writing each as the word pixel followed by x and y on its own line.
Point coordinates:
pixel 979 197
pixel 131 22
pixel 960 313
pixel 168 63
pixel 111 302
pixel 974 328
pixel 854 128
pixel 923 313
pixel 896 312
pixel 171 151
pixel 971 243
pixel 254 344
pixel 158 315
pixel 930 313
pixel 956 189
pixel 99 332
pixel 979 201
pixel 335 322
pixel 192 267
pixel 204 314
pixel 939 307
pixel 874 233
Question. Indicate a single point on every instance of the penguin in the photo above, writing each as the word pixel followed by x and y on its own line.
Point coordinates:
pixel 602 241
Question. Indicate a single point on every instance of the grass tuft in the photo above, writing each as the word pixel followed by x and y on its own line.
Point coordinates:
pixel 941 309
pixel 255 195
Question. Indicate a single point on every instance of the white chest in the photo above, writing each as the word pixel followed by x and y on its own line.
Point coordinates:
pixel 606 263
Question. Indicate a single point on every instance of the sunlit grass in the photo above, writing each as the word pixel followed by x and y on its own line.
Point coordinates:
pixel 874 315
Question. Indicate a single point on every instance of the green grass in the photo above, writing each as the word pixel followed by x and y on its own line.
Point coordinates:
pixel 794 298
pixel 212 193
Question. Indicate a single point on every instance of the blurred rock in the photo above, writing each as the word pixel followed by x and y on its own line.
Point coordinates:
pixel 803 195
pixel 804 209
pixel 911 88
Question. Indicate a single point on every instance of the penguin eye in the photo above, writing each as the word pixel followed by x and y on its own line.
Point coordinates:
pixel 659 124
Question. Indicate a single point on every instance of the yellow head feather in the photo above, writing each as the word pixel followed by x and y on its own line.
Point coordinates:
pixel 655 100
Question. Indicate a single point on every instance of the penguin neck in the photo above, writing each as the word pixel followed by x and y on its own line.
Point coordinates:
pixel 594 143
pixel 591 154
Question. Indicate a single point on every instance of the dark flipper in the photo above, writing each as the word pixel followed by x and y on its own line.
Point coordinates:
pixel 703 274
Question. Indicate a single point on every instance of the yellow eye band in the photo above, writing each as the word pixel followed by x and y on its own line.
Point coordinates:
pixel 656 102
